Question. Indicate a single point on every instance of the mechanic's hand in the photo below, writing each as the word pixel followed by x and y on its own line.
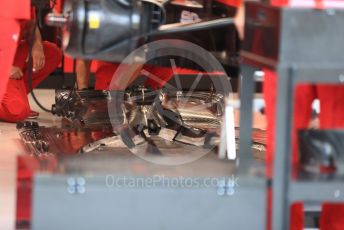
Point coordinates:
pixel 16 73
pixel 38 58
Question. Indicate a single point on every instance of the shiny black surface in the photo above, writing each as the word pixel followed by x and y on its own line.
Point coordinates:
pixel 108 29
pixel 122 26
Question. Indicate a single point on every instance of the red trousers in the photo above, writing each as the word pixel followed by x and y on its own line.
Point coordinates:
pixel 331 116
pixel 15 105
pixel 10 14
pixel 8 42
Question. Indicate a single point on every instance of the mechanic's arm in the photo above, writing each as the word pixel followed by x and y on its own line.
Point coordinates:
pixel 239 21
pixel 16 73
pixel 38 57
pixel 37 51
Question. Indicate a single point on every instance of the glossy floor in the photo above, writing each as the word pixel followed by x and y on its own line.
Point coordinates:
pixel 10 148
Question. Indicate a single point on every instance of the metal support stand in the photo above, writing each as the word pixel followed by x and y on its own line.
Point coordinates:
pixel 285 190
pixel 282 170
pixel 298 44
pixel 246 117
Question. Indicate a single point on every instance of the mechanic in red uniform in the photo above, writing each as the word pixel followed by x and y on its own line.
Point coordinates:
pixel 10 14
pixel 331 116
pixel 46 57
